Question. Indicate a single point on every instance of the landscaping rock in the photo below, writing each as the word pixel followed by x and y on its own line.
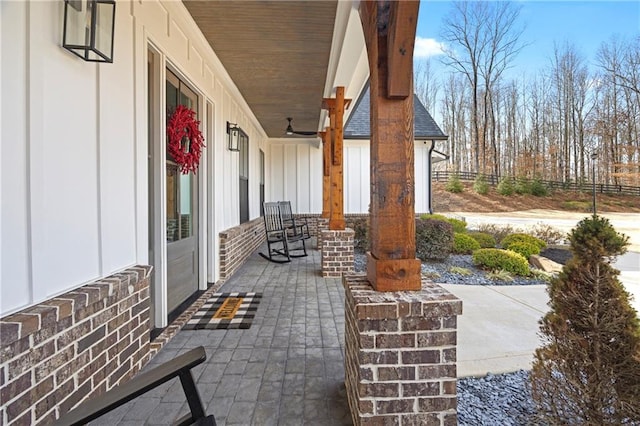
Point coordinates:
pixel 545 264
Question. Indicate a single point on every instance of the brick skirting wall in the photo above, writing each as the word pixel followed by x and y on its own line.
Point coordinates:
pixel 237 244
pixel 336 252
pixel 73 347
pixel 400 360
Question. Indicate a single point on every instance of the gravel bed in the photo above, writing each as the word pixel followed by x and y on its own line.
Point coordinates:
pixel 502 399
pixel 440 272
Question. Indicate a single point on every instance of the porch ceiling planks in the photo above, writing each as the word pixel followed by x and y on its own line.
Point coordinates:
pixel 277 53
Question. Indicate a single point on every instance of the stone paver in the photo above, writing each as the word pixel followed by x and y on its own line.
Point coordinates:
pixel 287 369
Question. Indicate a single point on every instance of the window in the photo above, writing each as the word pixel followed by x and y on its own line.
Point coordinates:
pixel 243 144
pixel 261 183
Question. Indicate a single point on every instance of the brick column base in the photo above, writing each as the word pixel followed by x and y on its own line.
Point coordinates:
pixel 400 361
pixel 337 252
pixel 323 225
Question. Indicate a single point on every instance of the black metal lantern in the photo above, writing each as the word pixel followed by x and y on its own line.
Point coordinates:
pixel 233 133
pixel 88 29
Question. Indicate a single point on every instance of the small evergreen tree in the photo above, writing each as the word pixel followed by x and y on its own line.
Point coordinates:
pixel 454 185
pixel 588 371
pixel 480 185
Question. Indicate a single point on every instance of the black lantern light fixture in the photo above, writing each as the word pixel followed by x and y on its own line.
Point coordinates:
pixel 88 29
pixel 233 133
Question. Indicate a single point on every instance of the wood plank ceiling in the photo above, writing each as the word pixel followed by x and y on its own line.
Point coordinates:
pixel 277 53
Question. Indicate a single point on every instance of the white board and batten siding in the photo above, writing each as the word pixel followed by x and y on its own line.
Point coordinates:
pixel 73 153
pixel 296 166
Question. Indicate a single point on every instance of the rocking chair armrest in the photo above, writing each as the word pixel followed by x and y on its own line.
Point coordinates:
pixel 180 366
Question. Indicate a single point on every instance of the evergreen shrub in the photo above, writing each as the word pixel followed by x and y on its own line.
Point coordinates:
pixel 506 186
pixel 496 259
pixel 588 370
pixel 480 185
pixel 522 237
pixel 434 239
pixel 454 185
pixel 522 186
pixel 485 240
pixel 464 244
pixel 538 188
pixel 525 248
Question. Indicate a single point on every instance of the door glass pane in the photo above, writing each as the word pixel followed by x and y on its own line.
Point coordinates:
pixel 185 206
pixel 173 225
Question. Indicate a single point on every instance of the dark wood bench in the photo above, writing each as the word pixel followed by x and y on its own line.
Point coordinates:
pixel 280 237
pixel 180 367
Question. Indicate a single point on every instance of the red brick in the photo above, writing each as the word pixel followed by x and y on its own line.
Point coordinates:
pixel 395 406
pixel 421 389
pixel 437 338
pixel 437 404
pixel 15 387
pixel 449 355
pixel 378 390
pixel 431 372
pixel 380 325
pixel 28 359
pixel 70 368
pixel 11 350
pixel 420 324
pixel 421 419
pixel 27 325
pixel 92 338
pixel 389 341
pixel 24 420
pixel 380 421
pixel 378 357
pixel 74 334
pixel 75 397
pixel 51 364
pixel 396 373
pixel 449 387
pixel 421 357
pixel 89 370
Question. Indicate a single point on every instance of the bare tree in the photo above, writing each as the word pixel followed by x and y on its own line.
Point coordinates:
pixel 482 40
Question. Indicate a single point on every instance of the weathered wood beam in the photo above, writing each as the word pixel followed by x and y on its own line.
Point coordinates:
pixel 391 263
pixel 336 107
pixel 403 17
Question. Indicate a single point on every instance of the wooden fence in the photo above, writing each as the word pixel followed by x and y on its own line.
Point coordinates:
pixel 602 188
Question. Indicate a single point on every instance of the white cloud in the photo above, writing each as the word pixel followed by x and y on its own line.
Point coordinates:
pixel 426 47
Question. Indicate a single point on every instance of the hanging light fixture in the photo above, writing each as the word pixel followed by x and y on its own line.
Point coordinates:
pixel 233 133
pixel 88 29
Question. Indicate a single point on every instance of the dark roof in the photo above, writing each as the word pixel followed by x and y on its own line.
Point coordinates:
pixel 358 123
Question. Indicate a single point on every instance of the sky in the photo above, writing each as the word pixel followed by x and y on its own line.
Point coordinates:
pixel 586 24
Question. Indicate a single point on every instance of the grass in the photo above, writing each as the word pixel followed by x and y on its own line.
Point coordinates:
pixel 460 270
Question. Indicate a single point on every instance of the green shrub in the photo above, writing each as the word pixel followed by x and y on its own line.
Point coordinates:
pixel 485 240
pixel 454 185
pixel 458 224
pixel 496 259
pixel 464 244
pixel 521 237
pixel 526 249
pixel 480 185
pixel 538 188
pixel 587 370
pixel 434 239
pixel 506 186
pixel 522 186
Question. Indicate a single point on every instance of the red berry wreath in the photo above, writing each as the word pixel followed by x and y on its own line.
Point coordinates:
pixel 184 139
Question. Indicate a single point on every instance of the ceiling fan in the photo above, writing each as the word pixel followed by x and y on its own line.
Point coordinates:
pixel 290 130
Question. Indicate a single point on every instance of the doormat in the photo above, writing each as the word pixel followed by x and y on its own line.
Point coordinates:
pixel 225 311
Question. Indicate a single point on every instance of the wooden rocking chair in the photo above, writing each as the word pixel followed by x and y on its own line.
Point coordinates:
pixel 279 237
pixel 295 225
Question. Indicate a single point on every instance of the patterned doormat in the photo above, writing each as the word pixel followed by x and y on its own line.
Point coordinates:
pixel 225 311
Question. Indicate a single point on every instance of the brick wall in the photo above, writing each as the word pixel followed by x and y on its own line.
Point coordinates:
pixel 73 347
pixel 237 244
pixel 336 252
pixel 400 360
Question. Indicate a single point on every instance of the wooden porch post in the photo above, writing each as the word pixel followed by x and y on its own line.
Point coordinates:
pixel 389 28
pixel 336 109
pixel 326 172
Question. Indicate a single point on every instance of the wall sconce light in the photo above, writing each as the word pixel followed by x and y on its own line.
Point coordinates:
pixel 233 133
pixel 88 29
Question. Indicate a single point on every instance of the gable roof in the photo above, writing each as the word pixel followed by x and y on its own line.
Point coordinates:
pixel 358 124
